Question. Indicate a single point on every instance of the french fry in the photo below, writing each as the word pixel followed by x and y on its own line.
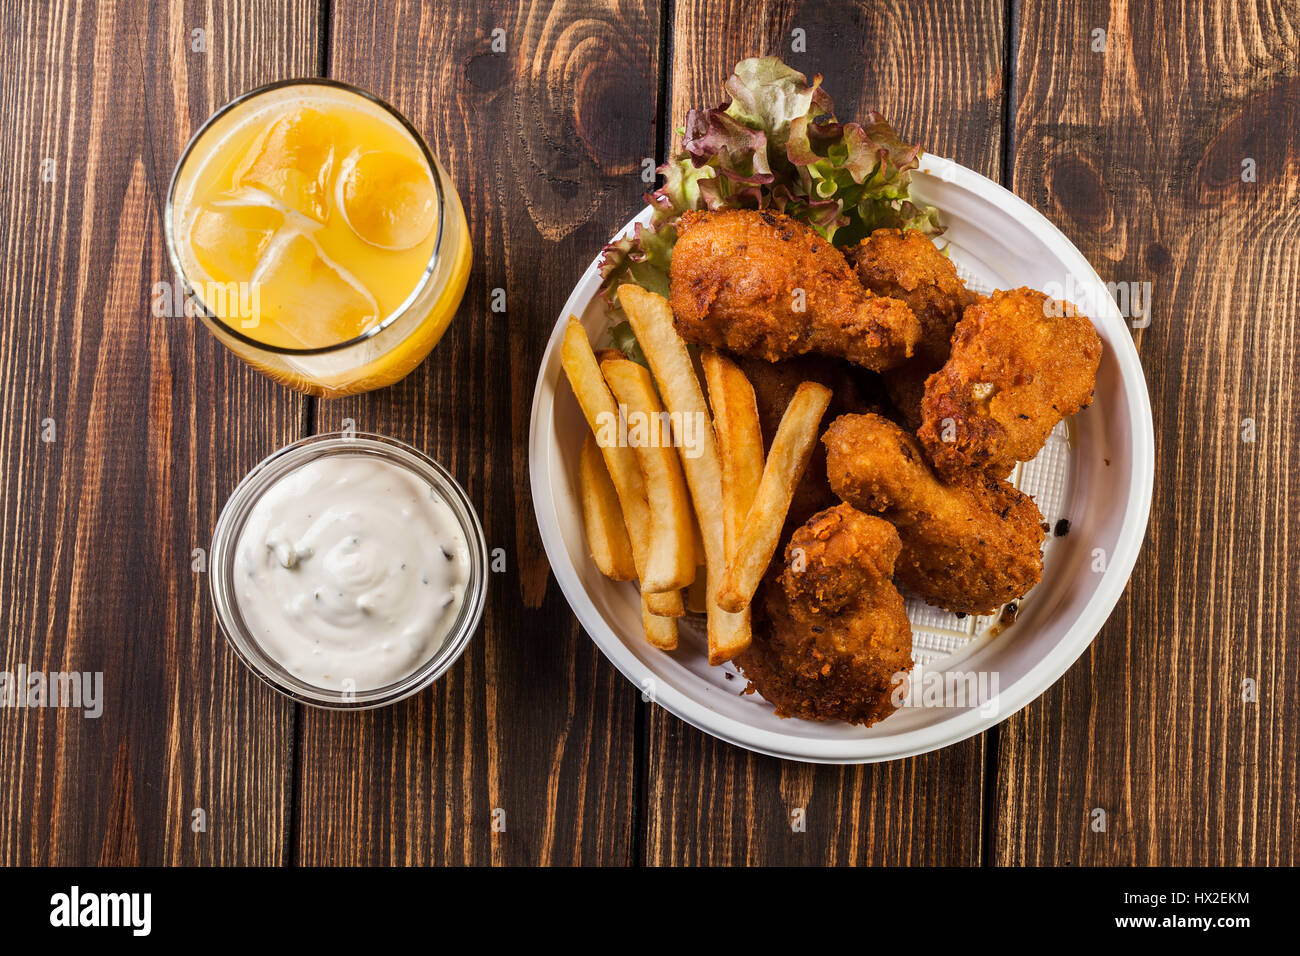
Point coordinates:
pixel 669 505
pixel 602 516
pixel 659 630
pixel 697 596
pixel 664 603
pixel 600 410
pixel 740 440
pixel 697 538
pixel 652 322
pixel 786 460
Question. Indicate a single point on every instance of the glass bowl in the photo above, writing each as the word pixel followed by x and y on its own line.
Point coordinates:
pixel 230 526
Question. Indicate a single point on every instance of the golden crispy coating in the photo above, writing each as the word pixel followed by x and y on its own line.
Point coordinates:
pixel 759 283
pixel 968 546
pixel 832 634
pixel 775 383
pixel 905 265
pixel 1020 363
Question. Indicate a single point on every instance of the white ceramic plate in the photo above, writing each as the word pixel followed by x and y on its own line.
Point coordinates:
pixel 1097 474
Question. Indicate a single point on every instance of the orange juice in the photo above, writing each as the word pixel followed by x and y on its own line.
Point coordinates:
pixel 321 239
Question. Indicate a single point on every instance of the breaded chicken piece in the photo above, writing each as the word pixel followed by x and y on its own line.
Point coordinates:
pixel 762 284
pixel 905 265
pixel 852 390
pixel 832 637
pixel 968 546
pixel 1020 363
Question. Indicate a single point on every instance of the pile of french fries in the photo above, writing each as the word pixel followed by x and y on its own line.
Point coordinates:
pixel 696 523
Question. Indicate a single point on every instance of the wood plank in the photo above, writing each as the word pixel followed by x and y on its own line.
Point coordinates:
pixel 935 69
pixel 1139 159
pixel 544 143
pixel 155 423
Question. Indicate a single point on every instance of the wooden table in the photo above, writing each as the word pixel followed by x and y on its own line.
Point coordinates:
pixel 1136 151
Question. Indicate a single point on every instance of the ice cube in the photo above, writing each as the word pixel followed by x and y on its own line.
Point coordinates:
pixel 292 161
pixel 306 299
pixel 228 238
pixel 388 199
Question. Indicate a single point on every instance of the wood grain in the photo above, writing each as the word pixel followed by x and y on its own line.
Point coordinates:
pixel 1136 152
pixel 154 424
pixel 1138 157
pixel 544 142
pixel 936 70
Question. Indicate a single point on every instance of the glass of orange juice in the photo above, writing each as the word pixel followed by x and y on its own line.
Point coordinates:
pixel 318 237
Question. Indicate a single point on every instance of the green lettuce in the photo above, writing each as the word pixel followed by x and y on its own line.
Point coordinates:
pixel 774 145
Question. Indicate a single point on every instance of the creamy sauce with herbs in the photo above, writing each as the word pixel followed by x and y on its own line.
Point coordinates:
pixel 350 571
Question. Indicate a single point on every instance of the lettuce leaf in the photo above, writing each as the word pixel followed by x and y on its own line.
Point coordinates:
pixel 775 144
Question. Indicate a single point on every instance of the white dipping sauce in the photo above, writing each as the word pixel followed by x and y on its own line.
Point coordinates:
pixel 350 571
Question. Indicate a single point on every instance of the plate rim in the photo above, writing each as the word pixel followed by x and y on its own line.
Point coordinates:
pixel 1040 678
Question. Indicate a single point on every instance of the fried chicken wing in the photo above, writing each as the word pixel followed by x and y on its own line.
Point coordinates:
pixel 905 265
pixel 832 635
pixel 1020 363
pixel 967 546
pixel 762 284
